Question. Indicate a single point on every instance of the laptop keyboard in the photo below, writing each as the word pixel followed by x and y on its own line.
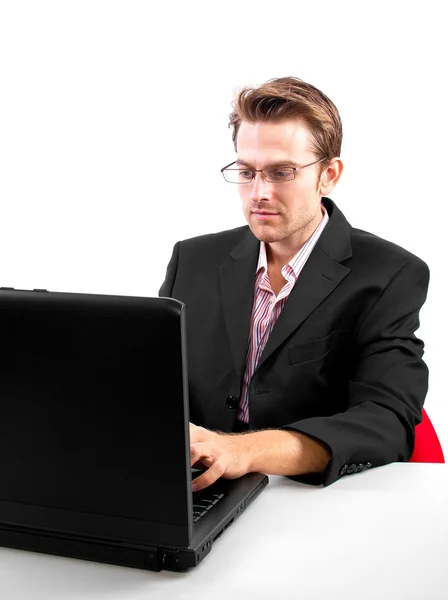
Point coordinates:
pixel 203 501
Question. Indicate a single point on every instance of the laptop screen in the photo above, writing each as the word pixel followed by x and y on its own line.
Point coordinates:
pixel 93 404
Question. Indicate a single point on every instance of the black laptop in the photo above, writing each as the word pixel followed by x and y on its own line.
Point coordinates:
pixel 94 433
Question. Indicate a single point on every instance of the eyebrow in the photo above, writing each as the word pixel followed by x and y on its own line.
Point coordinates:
pixel 277 163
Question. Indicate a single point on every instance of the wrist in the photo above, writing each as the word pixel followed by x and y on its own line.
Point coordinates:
pixel 241 448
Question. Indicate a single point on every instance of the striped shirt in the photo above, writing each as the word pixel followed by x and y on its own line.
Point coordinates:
pixel 267 307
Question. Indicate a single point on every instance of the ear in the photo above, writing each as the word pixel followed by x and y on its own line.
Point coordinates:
pixel 330 176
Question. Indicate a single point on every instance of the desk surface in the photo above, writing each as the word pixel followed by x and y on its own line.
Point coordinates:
pixel 375 535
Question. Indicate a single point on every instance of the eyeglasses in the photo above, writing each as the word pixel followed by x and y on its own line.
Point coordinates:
pixel 277 175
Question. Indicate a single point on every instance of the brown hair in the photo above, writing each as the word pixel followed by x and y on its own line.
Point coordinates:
pixel 287 98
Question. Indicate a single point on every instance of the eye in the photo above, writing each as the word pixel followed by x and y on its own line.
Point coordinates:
pixel 245 174
pixel 279 174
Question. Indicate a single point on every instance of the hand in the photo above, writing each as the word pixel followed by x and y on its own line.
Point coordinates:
pixel 222 455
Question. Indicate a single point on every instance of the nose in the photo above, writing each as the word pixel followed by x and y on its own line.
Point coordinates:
pixel 260 188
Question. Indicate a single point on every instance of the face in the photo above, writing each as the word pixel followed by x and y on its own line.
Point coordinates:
pixel 294 205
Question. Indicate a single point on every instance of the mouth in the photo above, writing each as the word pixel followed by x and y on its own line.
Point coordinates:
pixel 263 215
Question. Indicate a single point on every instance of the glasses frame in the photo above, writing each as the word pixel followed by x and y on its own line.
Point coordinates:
pixel 294 169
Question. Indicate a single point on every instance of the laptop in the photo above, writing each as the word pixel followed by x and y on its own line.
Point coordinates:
pixel 94 433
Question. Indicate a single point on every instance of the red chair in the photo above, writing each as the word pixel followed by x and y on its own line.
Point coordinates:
pixel 427 446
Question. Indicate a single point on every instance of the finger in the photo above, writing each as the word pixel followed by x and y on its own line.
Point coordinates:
pixel 198 434
pixel 201 452
pixel 209 477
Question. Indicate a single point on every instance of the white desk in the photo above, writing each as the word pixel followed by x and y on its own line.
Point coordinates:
pixel 380 534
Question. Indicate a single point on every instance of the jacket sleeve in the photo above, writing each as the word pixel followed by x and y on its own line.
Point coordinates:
pixel 167 286
pixel 387 391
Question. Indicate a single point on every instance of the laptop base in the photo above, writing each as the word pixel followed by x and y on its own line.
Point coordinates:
pixel 151 559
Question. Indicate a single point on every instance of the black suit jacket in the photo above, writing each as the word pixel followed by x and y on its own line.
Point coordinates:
pixel 342 363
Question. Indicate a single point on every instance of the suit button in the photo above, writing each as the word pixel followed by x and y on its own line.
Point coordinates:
pixel 359 468
pixel 343 470
pixel 351 469
pixel 232 402
pixel 368 465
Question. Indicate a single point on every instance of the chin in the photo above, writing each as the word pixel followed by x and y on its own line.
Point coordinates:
pixel 265 234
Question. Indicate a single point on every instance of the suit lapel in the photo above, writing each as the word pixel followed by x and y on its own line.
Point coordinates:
pixel 321 274
pixel 319 277
pixel 237 285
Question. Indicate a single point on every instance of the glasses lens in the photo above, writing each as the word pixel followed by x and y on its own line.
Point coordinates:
pixel 279 175
pixel 238 175
pixel 246 175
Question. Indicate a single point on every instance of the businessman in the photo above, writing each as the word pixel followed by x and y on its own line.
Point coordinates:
pixel 302 354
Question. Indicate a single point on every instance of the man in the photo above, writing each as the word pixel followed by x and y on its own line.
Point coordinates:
pixel 302 354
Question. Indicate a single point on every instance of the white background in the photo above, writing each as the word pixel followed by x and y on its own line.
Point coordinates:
pixel 113 129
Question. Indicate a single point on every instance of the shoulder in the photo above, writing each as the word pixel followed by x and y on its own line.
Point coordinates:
pixel 214 245
pixel 225 237
pixel 376 252
pixel 362 251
